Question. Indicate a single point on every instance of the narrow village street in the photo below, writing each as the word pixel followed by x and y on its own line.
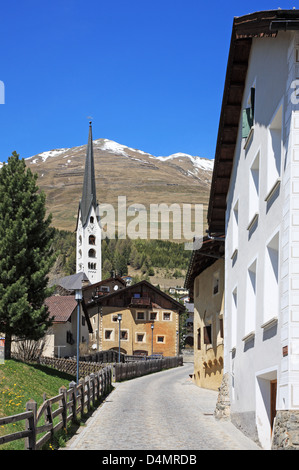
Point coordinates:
pixel 161 411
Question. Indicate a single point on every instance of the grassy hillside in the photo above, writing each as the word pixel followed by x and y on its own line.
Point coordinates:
pixel 161 262
pixel 20 382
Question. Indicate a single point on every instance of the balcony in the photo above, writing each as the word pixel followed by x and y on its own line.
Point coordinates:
pixel 143 301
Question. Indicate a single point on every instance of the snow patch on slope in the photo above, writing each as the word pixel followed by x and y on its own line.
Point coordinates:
pixel 45 155
pixel 198 162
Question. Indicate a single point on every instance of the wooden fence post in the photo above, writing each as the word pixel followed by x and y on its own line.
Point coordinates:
pixel 63 404
pixel 82 383
pixel 73 386
pixel 30 442
pixel 87 382
pixel 93 382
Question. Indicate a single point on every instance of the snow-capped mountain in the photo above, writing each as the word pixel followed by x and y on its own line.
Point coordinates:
pixel 120 171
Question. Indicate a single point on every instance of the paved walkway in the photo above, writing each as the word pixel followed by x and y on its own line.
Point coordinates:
pixel 161 411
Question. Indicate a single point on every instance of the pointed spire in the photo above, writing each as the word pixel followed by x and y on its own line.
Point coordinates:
pixel 89 198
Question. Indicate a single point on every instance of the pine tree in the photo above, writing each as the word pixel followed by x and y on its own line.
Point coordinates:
pixel 25 254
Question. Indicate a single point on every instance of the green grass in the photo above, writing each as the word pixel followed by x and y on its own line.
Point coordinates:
pixel 20 382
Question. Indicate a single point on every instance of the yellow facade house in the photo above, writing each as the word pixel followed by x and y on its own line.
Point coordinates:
pixel 205 281
pixel 146 319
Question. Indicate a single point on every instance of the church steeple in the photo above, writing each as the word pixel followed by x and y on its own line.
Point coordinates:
pixel 89 198
pixel 89 233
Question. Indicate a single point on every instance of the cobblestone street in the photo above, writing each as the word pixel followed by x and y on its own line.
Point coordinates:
pixel 161 411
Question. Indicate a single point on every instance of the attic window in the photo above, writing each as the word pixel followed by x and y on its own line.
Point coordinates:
pixel 248 115
pixel 140 316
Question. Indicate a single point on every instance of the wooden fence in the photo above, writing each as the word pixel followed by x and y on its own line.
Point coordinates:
pixel 130 370
pixel 65 407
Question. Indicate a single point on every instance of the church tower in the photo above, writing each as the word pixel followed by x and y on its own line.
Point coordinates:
pixel 88 232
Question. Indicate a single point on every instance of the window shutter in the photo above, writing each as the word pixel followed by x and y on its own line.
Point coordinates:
pixel 207 332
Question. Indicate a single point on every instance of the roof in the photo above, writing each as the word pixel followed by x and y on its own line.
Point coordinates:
pixel 61 307
pixel 105 281
pixel 255 25
pixel 89 198
pixel 124 293
pixel 210 251
pixel 72 282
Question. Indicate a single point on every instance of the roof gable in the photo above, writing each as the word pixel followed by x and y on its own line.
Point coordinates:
pixel 140 295
pixel 61 307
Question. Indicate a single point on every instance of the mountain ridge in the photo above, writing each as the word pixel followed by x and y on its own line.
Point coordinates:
pixel 120 171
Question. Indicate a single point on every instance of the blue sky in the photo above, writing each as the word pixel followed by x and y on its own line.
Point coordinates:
pixel 149 72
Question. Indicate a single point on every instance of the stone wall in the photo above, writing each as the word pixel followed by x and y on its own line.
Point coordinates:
pixel 222 410
pixel 286 430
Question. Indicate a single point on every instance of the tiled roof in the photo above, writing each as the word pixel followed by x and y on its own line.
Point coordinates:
pixel 61 307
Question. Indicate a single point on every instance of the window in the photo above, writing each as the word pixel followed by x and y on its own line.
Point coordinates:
pixel 215 283
pixel 69 337
pixel 253 199
pixel 92 240
pixel 234 318
pixel 207 334
pixel 248 114
pixel 91 220
pixel 92 253
pixel 251 299
pixel 153 316
pixel 140 337
pixel 271 283
pixel 109 334
pixel 166 316
pixel 140 315
pixel 274 152
pixel 160 339
pixel 124 335
pixel 104 289
pixel 198 339
pixel 114 318
pixel 221 328
pixel 235 227
pixel 92 266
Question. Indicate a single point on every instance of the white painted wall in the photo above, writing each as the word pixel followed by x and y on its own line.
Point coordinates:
pixel 84 261
pixel 264 273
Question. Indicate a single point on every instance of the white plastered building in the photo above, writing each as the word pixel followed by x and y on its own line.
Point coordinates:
pixel 255 202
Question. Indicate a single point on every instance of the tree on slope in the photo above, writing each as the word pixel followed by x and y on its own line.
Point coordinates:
pixel 25 254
